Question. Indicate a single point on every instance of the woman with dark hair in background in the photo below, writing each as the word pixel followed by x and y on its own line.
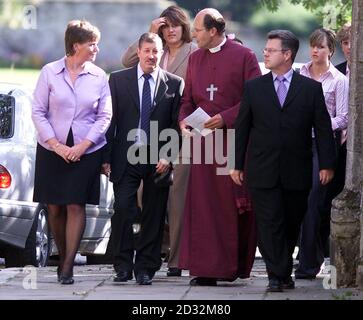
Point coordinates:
pixel 173 27
pixel 71 112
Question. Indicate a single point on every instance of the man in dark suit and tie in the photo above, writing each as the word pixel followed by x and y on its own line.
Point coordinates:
pixel 141 96
pixel 274 152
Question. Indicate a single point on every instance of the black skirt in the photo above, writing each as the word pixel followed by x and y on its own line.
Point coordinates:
pixel 61 183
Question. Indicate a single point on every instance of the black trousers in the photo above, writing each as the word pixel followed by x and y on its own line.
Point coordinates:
pixel 147 247
pixel 279 213
pixel 315 228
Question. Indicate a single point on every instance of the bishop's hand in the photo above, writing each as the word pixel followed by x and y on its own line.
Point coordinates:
pixel 215 122
pixel 184 129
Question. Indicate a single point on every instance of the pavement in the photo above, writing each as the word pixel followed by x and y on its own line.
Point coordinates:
pixel 95 282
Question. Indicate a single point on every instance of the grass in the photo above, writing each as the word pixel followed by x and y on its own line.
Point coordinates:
pixel 26 77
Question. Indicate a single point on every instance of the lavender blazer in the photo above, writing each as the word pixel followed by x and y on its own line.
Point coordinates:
pixel 58 105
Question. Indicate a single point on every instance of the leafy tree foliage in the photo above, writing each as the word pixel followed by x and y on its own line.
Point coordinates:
pixel 332 13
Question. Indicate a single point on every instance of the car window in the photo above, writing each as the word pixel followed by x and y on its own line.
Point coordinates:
pixel 7 107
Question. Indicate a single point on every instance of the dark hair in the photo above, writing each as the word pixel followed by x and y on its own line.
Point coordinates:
pixel 288 41
pixel 344 33
pixel 79 31
pixel 211 21
pixel 177 17
pixel 149 37
pixel 318 36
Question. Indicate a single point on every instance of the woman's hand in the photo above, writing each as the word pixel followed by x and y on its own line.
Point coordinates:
pixel 59 148
pixel 157 24
pixel 62 151
pixel 77 151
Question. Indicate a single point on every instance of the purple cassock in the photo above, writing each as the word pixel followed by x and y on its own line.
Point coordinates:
pixel 219 238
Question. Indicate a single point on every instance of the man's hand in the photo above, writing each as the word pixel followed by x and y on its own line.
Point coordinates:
pixel 162 166
pixel 326 175
pixel 215 122
pixel 106 169
pixel 157 24
pixel 184 130
pixel 237 176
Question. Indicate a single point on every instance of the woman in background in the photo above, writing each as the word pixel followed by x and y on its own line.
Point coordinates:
pixel 335 89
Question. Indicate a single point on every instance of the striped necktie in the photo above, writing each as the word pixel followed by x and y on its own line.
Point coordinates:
pixel 146 106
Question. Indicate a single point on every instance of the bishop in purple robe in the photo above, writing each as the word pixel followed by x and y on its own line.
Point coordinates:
pixel 219 239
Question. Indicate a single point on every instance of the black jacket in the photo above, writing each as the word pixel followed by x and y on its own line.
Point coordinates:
pixel 342 67
pixel 126 113
pixel 279 140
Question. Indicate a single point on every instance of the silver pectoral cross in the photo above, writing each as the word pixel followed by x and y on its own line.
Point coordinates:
pixel 211 90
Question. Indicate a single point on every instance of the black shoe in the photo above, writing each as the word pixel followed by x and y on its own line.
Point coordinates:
pixel 174 272
pixel 201 281
pixel 302 276
pixel 64 279
pixel 143 279
pixel 274 285
pixel 288 283
pixel 123 276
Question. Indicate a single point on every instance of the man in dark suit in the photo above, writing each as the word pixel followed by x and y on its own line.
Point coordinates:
pixel 142 96
pixel 273 138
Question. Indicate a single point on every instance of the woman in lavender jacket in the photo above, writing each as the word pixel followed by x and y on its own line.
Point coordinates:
pixel 71 112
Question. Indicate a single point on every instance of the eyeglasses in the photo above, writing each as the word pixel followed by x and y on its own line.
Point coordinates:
pixel 270 50
pixel 198 30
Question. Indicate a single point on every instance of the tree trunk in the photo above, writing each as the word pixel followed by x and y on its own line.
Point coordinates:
pixel 346 220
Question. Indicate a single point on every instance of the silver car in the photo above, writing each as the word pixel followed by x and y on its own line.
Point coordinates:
pixel 24 232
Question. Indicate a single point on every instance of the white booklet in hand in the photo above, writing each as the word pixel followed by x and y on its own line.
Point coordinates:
pixel 197 119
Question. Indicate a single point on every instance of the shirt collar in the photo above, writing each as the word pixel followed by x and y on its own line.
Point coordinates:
pixel 287 75
pixel 219 47
pixel 60 66
pixel 332 70
pixel 153 74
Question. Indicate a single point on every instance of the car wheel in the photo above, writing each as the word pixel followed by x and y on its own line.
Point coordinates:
pixel 37 247
pixel 42 239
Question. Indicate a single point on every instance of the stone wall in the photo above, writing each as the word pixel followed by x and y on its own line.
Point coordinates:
pixel 115 19
pixel 120 22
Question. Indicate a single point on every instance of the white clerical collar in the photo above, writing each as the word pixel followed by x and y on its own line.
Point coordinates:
pixel 219 47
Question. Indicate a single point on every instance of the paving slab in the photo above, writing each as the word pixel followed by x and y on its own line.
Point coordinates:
pixel 95 282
